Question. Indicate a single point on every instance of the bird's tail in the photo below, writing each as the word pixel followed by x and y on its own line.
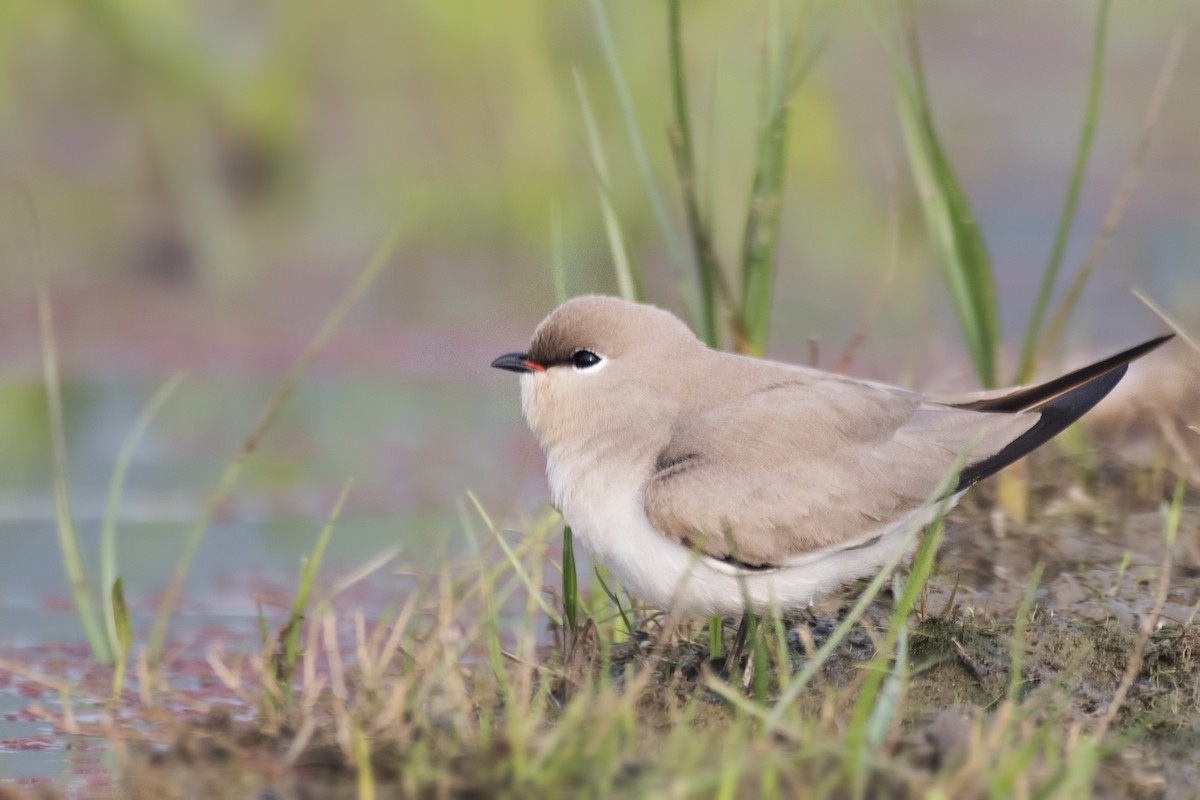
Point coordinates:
pixel 1059 402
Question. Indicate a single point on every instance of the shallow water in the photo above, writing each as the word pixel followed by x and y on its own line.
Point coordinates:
pixel 409 475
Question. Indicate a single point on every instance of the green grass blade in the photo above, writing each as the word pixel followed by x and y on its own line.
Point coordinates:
pixel 937 220
pixel 628 283
pixel 641 155
pixel 365 785
pixel 1172 513
pixel 760 665
pixel 867 714
pixel 962 253
pixel 801 679
pixel 887 706
pixel 1017 654
pixel 1028 365
pixel 570 581
pixel 621 634
pixel 122 636
pixel 116 487
pixel 1120 200
pixel 708 178
pixel 68 539
pixel 495 649
pixel 158 633
pixel 515 562
pixel 263 632
pixel 308 576
pixel 699 226
pixel 761 236
pixel 787 67
pixel 922 564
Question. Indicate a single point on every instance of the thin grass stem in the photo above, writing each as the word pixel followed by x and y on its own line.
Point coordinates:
pixel 515 562
pixel 1116 208
pixel 641 153
pixel 122 636
pixel 68 538
pixel 629 284
pixel 570 582
pixel 761 237
pixel 308 576
pixel 232 471
pixel 1172 513
pixel 699 226
pixel 116 487
pixel 963 257
pixel 714 637
pixel 1028 365
pixel 1017 655
pixel 1172 324
pixel 866 708
pixel 922 564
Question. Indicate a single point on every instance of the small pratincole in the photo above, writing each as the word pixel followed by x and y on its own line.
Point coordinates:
pixel 705 480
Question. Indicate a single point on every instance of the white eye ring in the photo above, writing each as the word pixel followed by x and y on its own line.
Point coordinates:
pixel 587 361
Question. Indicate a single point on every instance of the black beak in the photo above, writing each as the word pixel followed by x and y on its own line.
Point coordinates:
pixel 517 362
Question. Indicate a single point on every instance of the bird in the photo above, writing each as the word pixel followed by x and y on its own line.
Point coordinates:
pixel 721 484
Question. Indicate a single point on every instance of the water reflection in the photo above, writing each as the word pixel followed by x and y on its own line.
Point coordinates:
pixel 412 452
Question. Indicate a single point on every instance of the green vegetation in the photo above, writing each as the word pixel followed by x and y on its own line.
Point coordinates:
pixel 230 474
pixel 68 539
pixel 1025 372
pixel 966 265
pixel 282 662
pixel 116 613
pixel 110 644
pixel 708 287
pixel 459 690
pixel 891 697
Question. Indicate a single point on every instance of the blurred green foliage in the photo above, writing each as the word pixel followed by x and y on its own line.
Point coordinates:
pixel 232 146
pixel 217 140
pixel 23 429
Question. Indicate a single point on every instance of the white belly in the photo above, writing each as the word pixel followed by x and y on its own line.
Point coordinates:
pixel 610 523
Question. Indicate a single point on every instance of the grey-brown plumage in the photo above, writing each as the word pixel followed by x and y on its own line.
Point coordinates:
pixel 661 451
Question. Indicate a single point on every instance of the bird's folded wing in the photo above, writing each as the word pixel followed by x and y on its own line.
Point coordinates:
pixel 811 464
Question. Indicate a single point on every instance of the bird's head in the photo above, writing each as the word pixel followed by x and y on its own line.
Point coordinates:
pixel 601 364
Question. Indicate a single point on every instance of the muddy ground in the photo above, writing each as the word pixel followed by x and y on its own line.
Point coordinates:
pixel 1101 548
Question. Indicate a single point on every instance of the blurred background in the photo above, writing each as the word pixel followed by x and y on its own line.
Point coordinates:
pixel 199 182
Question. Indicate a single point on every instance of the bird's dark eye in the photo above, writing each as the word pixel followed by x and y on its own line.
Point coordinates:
pixel 584 359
